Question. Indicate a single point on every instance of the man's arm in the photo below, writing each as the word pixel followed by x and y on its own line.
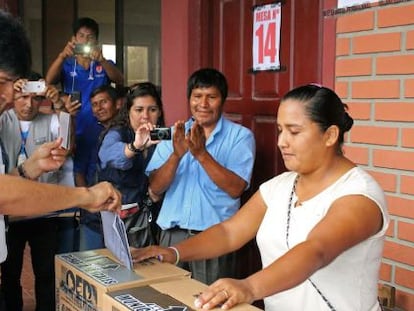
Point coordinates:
pixel 224 178
pixel 113 72
pixel 54 70
pixel 23 197
pixel 161 178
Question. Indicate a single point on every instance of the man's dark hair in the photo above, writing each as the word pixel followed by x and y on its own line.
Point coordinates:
pixel 33 76
pixel 110 90
pixel 86 22
pixel 208 77
pixel 15 51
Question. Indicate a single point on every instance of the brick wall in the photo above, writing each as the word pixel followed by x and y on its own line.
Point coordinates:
pixel 375 77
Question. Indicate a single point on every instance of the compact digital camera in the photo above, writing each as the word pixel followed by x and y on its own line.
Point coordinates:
pixel 34 87
pixel 83 48
pixel 161 133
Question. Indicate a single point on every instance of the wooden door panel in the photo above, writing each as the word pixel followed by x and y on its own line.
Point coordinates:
pixel 228 45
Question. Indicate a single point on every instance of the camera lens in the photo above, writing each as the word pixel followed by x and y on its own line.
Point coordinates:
pixel 162 134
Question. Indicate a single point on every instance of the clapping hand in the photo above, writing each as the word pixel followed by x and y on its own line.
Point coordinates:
pixel 179 140
pixel 196 140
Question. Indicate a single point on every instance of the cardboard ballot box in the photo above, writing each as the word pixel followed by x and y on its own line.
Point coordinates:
pixel 176 295
pixel 82 278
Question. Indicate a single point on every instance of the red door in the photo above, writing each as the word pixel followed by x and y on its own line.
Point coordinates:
pixel 254 98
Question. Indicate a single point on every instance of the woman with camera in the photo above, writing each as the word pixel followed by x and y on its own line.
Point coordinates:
pixel 126 147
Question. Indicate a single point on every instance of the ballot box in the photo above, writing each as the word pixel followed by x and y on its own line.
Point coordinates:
pixel 177 295
pixel 82 278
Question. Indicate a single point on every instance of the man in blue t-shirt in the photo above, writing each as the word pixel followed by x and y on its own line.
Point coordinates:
pixel 81 67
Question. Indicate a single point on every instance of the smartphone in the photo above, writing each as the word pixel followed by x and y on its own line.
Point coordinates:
pixel 75 95
pixel 34 87
pixel 83 49
pixel 161 133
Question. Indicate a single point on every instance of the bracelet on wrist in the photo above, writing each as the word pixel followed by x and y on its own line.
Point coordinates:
pixel 132 148
pixel 177 254
pixel 22 172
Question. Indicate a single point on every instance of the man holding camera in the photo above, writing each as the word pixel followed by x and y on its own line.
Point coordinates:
pixel 82 68
pixel 203 171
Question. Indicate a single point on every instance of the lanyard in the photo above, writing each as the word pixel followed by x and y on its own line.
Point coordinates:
pixel 22 153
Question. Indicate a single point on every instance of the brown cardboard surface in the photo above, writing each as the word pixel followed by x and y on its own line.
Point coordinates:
pixel 64 305
pixel 82 278
pixel 176 295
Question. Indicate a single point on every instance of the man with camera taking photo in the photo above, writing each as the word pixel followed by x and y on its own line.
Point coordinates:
pixel 81 67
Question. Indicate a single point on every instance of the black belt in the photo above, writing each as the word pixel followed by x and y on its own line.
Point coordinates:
pixel 189 231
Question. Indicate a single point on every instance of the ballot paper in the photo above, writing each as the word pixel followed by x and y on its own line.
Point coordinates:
pixel 115 238
pixel 64 128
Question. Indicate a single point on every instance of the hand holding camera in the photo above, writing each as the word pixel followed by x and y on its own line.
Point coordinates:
pixel 161 133
pixel 144 139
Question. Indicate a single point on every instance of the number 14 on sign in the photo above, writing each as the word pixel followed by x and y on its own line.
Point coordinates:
pixel 266 37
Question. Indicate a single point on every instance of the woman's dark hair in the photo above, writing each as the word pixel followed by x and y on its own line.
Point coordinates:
pixel 135 91
pixel 323 107
pixel 86 22
pixel 208 77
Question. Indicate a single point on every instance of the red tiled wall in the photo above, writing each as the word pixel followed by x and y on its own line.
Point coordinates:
pixel 375 76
